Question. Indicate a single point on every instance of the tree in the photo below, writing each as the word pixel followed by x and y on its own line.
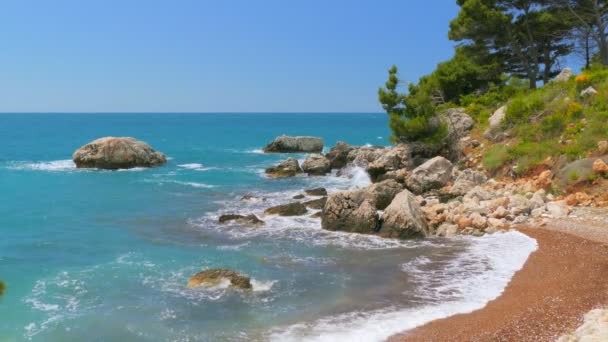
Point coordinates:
pixel 526 37
pixel 591 18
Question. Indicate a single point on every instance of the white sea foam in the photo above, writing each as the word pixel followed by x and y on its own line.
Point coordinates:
pixel 195 167
pixel 184 183
pixel 469 282
pixel 55 165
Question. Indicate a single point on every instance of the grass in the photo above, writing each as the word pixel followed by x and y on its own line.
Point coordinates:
pixel 495 158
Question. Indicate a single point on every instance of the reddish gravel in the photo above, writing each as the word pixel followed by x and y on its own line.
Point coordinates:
pixel 560 282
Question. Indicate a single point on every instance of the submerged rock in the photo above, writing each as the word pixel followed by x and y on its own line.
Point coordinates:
pixel 216 276
pixel 289 144
pixel 290 209
pixel 403 218
pixel 316 204
pixel 287 168
pixel 242 219
pixel 117 153
pixel 316 192
pixel 316 165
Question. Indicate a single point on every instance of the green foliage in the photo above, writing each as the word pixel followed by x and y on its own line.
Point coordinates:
pixel 573 176
pixel 521 108
pixel 495 157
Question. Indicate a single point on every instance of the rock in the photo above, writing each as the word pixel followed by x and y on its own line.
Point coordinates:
pixel 467 180
pixel 338 155
pixel 316 215
pixel 287 168
pixel 316 204
pixel 398 176
pixel 564 75
pixel 499 115
pixel 343 212
pixel 290 209
pixel 390 159
pixel 602 146
pixel 316 165
pixel 251 220
pixel 589 92
pixel 599 166
pixel 289 144
pixel 364 155
pixel 300 196
pixel 380 194
pixel 478 221
pixel 558 209
pixel 576 171
pixel 459 122
pixel 433 174
pixel 316 192
pixel 251 197
pixel 117 153
pixel 216 276
pixel 447 230
pixel 403 218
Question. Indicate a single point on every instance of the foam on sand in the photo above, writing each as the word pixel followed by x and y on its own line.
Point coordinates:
pixel 469 282
pixel 593 329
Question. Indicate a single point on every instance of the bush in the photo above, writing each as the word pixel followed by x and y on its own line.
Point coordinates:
pixel 495 158
pixel 575 110
pixel 521 108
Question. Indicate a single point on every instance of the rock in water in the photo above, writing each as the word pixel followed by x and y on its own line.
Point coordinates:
pixel 316 165
pixel 287 168
pixel 433 174
pixel 251 220
pixel 316 204
pixel 214 277
pixel 338 155
pixel 403 218
pixel 291 209
pixel 316 192
pixel 344 212
pixel 288 144
pixel 117 153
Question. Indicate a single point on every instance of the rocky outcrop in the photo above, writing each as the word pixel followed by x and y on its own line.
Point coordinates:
pixel 499 115
pixel 403 218
pixel 287 168
pixel 117 153
pixel 380 194
pixel 465 181
pixel 316 165
pixel 389 159
pixel 316 192
pixel 494 132
pixel 338 155
pixel 289 144
pixel 577 171
pixel 459 122
pixel 248 220
pixel 216 276
pixel 433 174
pixel 344 212
pixel 290 209
pixel 363 155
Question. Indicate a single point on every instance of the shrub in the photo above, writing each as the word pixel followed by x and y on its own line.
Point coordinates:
pixel 573 176
pixel 495 157
pixel 521 108
pixel 575 110
pixel 553 125
pixel 583 81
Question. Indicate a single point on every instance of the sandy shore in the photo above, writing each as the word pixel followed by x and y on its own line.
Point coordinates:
pixel 564 279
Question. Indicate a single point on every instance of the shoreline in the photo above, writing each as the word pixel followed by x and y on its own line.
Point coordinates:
pixel 559 283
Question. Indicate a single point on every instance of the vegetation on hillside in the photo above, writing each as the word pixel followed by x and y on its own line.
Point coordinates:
pixel 505 49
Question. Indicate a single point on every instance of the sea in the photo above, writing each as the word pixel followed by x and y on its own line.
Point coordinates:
pixel 93 255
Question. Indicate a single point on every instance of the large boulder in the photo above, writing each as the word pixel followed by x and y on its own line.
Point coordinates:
pixel 316 192
pixel 287 168
pixel 290 209
pixel 390 159
pixel 338 155
pixel 459 123
pixel 380 194
pixel 403 218
pixel 577 171
pixel 433 174
pixel 564 75
pixel 362 156
pixel 316 165
pixel 494 132
pixel 249 220
pixel 289 144
pixel 344 212
pixel 467 180
pixel 499 115
pixel 117 153
pixel 216 276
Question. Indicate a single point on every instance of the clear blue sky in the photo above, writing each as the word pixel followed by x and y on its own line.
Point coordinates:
pixel 210 56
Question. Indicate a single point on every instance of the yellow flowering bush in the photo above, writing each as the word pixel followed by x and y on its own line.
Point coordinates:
pixel 575 109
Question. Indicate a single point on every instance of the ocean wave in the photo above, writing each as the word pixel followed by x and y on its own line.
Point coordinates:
pixel 54 165
pixel 489 264
pixel 195 167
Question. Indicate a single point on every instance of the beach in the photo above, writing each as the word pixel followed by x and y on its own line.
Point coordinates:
pixel 560 282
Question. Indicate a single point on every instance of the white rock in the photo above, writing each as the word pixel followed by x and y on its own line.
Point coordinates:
pixel 558 209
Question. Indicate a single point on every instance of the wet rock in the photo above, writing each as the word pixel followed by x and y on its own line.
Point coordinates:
pixel 298 144
pixel 403 218
pixel 316 192
pixel 300 196
pixel 316 165
pixel 251 197
pixel 216 276
pixel 344 211
pixel 290 209
pixel 117 153
pixel 433 174
pixel 316 204
pixel 250 220
pixel 338 155
pixel 287 168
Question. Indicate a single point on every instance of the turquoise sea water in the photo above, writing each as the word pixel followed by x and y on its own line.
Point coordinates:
pixel 93 255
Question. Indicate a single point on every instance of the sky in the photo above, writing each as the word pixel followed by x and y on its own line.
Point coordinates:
pixel 214 56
